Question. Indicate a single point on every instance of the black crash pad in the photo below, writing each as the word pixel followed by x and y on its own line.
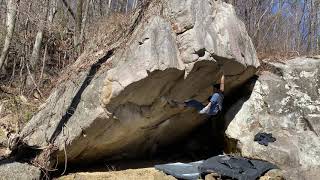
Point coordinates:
pixel 236 167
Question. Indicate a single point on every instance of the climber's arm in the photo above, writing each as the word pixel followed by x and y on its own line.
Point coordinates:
pixel 222 83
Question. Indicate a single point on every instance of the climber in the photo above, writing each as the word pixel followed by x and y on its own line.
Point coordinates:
pixel 215 101
pixel 214 107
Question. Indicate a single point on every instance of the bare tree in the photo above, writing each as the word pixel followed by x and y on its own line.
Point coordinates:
pixel 78 25
pixel 83 24
pixel 11 21
pixel 66 4
pixel 282 26
pixel 109 6
pixel 127 6
pixel 80 21
pixel 37 44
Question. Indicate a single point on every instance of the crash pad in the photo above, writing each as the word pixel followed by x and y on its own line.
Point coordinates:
pixel 234 167
pixel 187 171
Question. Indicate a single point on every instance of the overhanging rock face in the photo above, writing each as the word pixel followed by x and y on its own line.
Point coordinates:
pixel 285 103
pixel 122 111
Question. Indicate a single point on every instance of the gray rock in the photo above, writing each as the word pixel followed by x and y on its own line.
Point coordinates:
pixel 123 111
pixel 286 103
pixel 18 171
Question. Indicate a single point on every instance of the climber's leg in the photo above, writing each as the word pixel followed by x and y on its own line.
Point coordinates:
pixel 194 104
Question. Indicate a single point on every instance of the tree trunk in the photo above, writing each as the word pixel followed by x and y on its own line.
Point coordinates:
pixel 78 26
pixel 52 12
pixel 100 8
pixel 309 47
pixel 37 44
pixel 36 49
pixel 69 9
pixel 317 26
pixel 299 25
pixel 133 4
pixel 11 21
pixel 109 7
pixel 84 21
pixel 127 6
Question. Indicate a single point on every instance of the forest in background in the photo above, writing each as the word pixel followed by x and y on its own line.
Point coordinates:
pixel 40 38
pixel 281 27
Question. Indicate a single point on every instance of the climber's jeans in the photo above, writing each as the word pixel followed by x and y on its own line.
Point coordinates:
pixel 198 106
pixel 195 104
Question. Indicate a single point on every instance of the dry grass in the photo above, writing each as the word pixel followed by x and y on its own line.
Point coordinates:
pixel 105 35
pixel 110 33
pixel 17 110
pixel 1 133
pixel 278 56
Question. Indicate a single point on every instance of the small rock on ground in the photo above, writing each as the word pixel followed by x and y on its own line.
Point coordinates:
pixel 274 174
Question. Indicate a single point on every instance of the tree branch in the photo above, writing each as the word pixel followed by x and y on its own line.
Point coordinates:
pixel 69 9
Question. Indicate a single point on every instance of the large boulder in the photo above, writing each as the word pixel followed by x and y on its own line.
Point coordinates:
pixel 118 107
pixel 21 171
pixel 286 103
